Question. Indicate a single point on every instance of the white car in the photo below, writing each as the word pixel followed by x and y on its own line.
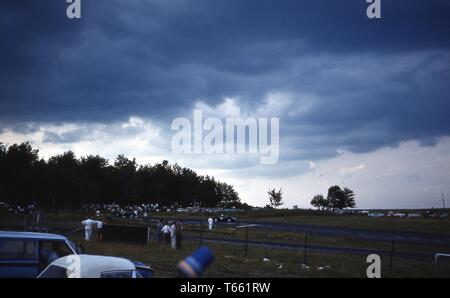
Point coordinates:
pixel 92 266
pixel 376 214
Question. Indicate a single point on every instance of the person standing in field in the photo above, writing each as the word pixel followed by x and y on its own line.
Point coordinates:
pixel 166 233
pixel 160 234
pixel 210 223
pixel 173 235
pixel 99 230
pixel 179 232
pixel 88 223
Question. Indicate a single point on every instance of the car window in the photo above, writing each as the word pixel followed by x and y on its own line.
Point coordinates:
pixel 144 272
pixel 49 251
pixel 53 271
pixel 60 248
pixel 118 274
pixel 17 249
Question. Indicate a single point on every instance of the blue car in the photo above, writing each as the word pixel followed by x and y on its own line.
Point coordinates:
pixel 26 254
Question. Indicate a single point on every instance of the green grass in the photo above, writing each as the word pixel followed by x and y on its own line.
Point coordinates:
pixel 230 262
pixel 416 225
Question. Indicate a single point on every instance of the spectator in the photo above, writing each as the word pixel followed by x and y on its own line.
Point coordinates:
pixel 179 232
pixel 210 223
pixel 88 223
pixel 99 230
pixel 166 233
pixel 159 227
pixel 173 235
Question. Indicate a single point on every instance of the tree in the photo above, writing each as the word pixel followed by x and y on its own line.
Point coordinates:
pixel 319 202
pixel 229 196
pixel 336 198
pixel 349 198
pixel 275 197
pixel 125 170
pixel 340 199
pixel 66 181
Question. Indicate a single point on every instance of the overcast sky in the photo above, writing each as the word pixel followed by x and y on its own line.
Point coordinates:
pixel 362 103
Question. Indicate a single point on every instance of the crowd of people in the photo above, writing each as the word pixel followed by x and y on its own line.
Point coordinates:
pixel 168 232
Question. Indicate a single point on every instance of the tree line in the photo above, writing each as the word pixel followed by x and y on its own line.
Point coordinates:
pixel 64 181
pixel 337 199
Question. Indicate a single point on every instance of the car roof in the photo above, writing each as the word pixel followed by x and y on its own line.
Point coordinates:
pixel 31 235
pixel 91 266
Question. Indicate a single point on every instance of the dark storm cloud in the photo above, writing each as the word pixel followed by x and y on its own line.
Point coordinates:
pixel 155 58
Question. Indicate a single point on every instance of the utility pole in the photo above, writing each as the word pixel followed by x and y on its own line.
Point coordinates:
pixel 443 201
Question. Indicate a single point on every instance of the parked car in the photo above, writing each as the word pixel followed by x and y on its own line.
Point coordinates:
pixel 396 214
pixel 376 214
pixel 414 215
pixel 92 266
pixel 223 218
pixel 26 254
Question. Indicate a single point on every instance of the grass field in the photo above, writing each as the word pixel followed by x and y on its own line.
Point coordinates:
pixel 230 260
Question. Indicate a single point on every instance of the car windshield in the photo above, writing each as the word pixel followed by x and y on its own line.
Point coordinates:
pixel 17 249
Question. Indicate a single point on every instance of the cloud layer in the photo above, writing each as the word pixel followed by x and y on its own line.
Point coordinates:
pixel 113 81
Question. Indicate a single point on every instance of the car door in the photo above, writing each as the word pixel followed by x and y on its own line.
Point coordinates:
pixel 18 258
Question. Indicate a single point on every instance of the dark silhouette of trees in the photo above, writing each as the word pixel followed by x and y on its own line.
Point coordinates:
pixel 337 199
pixel 67 182
pixel 319 202
pixel 349 197
pixel 275 198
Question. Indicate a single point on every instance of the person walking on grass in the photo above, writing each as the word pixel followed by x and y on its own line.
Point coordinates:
pixel 160 234
pixel 173 236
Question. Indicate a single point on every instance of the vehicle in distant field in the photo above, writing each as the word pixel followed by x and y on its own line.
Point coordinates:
pixel 26 254
pixel 396 214
pixel 92 266
pixel 125 214
pixel 223 218
pixel 376 214
pixel 414 215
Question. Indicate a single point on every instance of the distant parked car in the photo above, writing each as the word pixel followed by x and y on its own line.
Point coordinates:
pixel 414 215
pixel 91 266
pixel 376 214
pixel 397 214
pixel 223 218
pixel 26 254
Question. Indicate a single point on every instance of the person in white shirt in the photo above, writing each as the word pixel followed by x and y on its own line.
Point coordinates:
pixel 99 230
pixel 173 236
pixel 166 232
pixel 210 223
pixel 88 223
